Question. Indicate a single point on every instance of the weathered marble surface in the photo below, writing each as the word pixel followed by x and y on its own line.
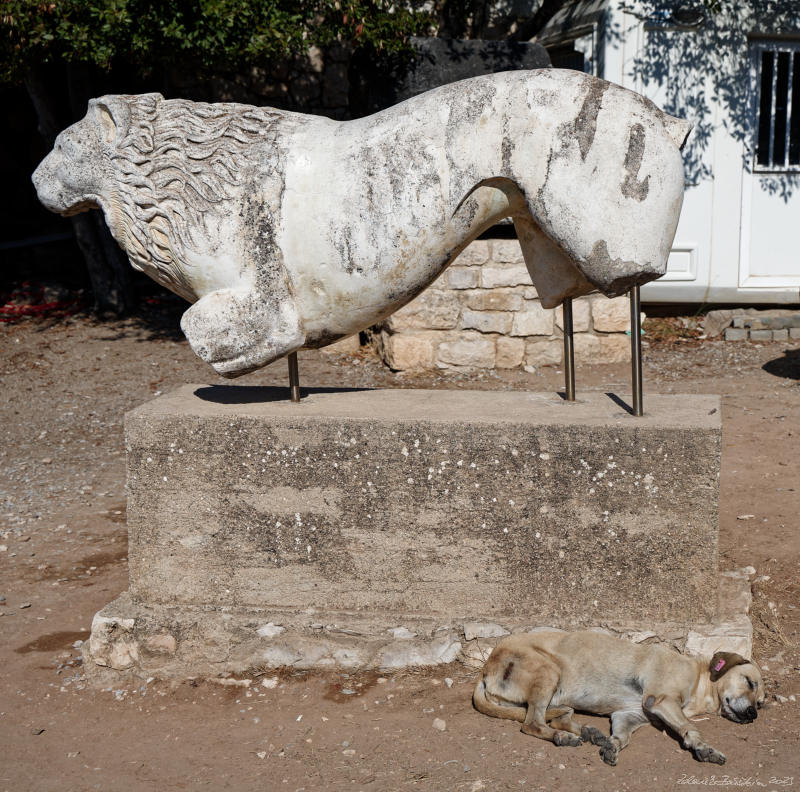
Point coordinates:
pixel 286 230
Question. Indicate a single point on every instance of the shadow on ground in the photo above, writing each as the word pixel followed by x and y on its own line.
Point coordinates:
pixel 787 367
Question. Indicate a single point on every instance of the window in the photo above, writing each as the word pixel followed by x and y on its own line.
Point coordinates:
pixel 778 106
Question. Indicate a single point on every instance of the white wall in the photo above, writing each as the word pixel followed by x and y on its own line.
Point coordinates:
pixel 705 263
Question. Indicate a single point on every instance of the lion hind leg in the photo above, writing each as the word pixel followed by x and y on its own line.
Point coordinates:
pixel 238 331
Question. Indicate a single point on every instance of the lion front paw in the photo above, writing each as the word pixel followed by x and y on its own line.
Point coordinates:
pixel 235 333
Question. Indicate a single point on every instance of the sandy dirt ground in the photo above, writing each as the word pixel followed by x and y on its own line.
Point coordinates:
pixel 64 387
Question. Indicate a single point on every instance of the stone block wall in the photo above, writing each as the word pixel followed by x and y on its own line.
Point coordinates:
pixel 483 312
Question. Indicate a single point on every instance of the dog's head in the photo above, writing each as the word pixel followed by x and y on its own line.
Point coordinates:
pixel 739 686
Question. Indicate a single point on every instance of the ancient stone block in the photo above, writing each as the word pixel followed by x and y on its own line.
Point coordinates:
pixel 729 636
pixel 581 310
pixel 495 300
pixel 498 276
pixel 473 630
pixel 434 309
pixel 506 251
pixel 611 316
pixel 532 320
pixel 486 321
pixel 470 349
pixel 474 254
pixel 404 351
pixel 463 278
pixel 510 352
pixel 544 352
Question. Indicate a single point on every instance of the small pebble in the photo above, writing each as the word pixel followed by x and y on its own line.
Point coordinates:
pixel 270 683
pixel 25 605
pixel 347 692
pixel 439 724
pixel 448 682
pixel 349 752
pixel 37 731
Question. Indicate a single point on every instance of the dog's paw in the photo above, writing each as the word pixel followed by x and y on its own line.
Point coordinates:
pixel 595 737
pixel 609 754
pixel 566 738
pixel 705 753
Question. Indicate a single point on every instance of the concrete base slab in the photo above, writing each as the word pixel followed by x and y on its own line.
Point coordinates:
pixel 377 529
pixel 136 641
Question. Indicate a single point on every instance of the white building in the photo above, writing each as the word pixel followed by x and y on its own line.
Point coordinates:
pixel 736 74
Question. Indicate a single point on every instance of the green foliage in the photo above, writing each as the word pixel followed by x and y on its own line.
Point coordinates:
pixel 202 34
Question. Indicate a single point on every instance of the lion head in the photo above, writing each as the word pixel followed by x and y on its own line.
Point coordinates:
pixel 161 171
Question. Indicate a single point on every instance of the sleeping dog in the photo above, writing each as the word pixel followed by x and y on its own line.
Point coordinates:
pixel 541 678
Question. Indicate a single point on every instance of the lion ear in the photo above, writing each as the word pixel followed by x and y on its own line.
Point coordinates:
pixel 113 115
pixel 722 662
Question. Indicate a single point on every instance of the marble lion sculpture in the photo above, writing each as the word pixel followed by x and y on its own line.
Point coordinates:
pixel 287 231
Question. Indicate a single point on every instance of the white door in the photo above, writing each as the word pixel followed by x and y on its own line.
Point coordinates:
pixel 770 240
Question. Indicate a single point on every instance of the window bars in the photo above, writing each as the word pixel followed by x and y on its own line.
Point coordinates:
pixel 777 73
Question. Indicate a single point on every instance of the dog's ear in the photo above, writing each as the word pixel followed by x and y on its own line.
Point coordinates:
pixel 722 662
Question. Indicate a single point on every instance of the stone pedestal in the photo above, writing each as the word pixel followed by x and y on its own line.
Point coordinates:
pixel 382 528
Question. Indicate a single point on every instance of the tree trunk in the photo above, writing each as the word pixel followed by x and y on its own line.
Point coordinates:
pixel 529 29
pixel 109 272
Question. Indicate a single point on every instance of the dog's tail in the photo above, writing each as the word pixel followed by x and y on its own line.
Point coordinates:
pixel 488 704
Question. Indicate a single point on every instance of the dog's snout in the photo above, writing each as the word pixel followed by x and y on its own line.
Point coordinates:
pixel 752 713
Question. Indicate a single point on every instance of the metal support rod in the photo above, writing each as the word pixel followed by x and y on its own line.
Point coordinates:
pixel 569 350
pixel 636 351
pixel 294 377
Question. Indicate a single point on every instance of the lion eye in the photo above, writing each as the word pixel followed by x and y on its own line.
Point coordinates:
pixel 750 683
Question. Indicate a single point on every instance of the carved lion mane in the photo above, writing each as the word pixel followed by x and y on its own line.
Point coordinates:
pixel 176 163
